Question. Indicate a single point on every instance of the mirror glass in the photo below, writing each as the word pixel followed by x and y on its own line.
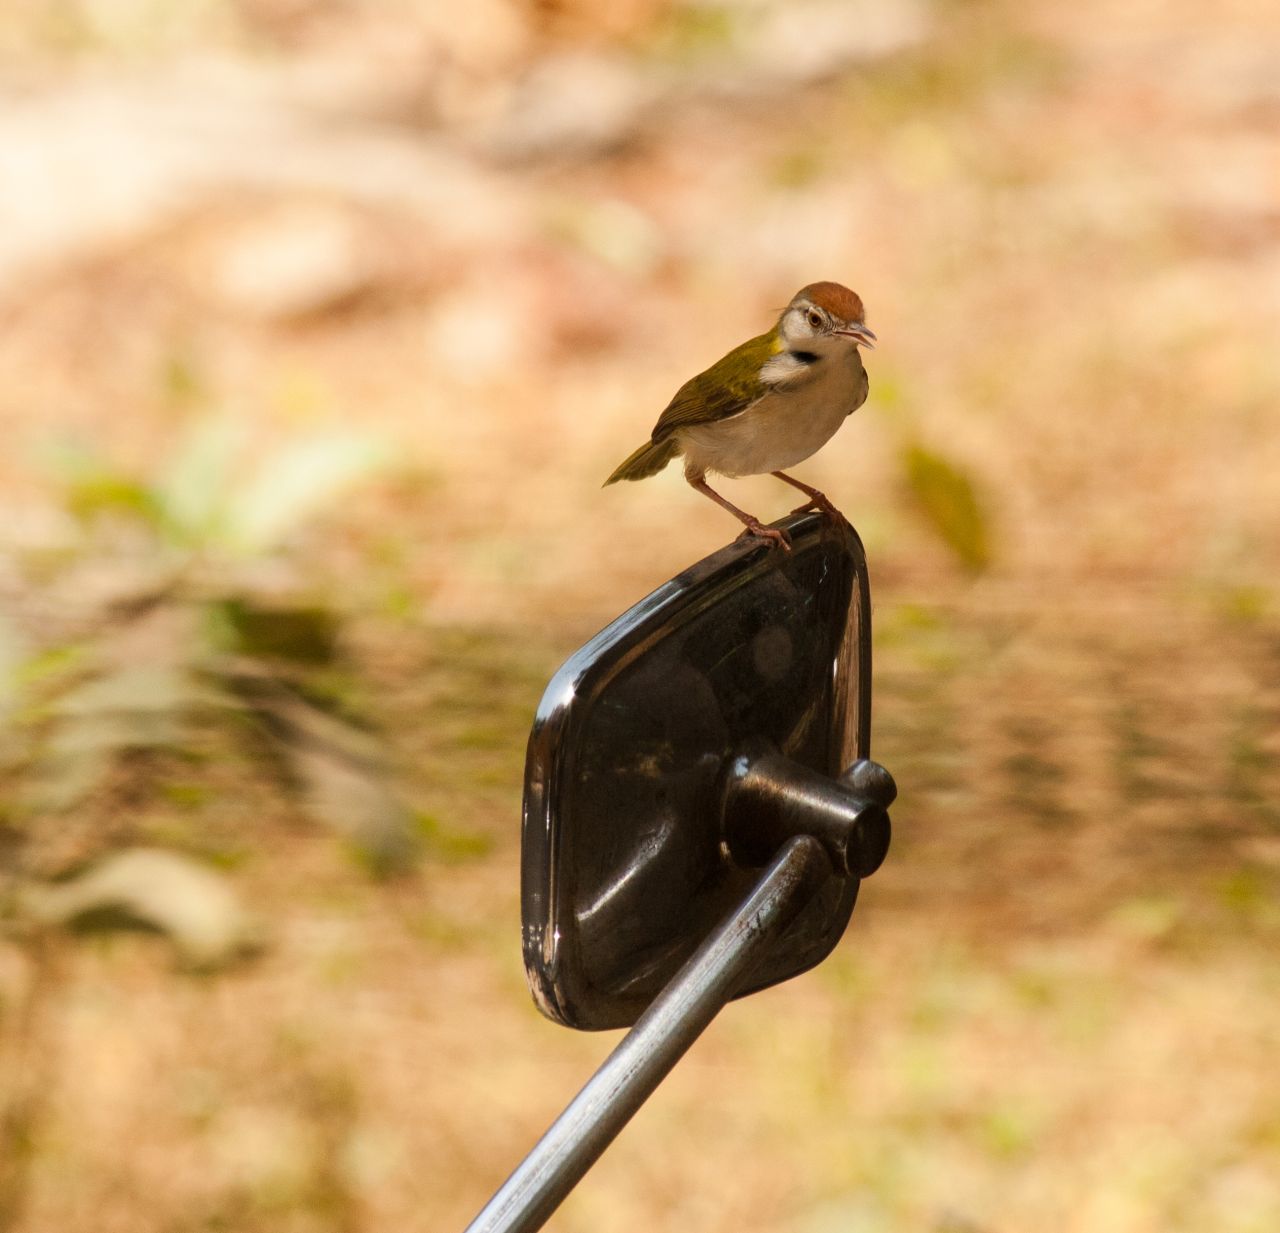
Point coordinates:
pixel 624 870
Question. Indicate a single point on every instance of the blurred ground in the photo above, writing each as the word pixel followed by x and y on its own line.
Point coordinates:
pixel 496 238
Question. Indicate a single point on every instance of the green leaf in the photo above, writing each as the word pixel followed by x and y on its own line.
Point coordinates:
pixel 947 499
pixel 298 483
pixel 193 490
pixel 105 493
pixel 12 660
pixel 451 844
pixel 300 635
pixel 93 486
pixel 180 378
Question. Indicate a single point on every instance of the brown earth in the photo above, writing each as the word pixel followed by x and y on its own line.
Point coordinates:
pixel 499 237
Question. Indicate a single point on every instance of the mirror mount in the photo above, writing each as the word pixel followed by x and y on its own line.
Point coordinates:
pixel 660 1038
pixel 768 798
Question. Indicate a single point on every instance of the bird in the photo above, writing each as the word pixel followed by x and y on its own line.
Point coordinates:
pixel 767 405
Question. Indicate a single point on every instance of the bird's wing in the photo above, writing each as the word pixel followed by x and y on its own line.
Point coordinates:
pixel 728 387
pixel 863 391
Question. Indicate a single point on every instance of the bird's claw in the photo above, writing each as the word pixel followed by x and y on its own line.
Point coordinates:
pixel 818 503
pixel 821 505
pixel 771 535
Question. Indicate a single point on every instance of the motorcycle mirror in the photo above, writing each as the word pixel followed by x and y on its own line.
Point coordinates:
pixel 675 752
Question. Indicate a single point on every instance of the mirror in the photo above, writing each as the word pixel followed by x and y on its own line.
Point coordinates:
pixel 625 866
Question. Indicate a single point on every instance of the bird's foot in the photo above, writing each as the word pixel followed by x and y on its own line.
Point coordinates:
pixel 771 535
pixel 820 504
pixel 817 500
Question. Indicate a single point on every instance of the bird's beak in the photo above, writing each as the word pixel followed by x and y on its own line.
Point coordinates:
pixel 860 334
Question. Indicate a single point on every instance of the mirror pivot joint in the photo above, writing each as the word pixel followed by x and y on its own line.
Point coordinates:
pixel 767 799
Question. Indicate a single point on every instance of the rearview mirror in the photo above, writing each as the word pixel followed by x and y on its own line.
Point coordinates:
pixel 626 862
pixel 699 808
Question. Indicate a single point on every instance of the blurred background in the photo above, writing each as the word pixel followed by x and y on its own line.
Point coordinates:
pixel 323 321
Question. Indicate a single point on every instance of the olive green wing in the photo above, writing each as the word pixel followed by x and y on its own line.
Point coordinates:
pixel 864 390
pixel 728 387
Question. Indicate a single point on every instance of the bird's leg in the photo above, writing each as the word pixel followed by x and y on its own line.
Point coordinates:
pixel 817 500
pixel 754 525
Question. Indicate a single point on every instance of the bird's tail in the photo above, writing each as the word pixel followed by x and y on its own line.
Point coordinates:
pixel 648 460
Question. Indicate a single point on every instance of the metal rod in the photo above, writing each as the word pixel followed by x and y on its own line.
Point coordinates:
pixel 659 1039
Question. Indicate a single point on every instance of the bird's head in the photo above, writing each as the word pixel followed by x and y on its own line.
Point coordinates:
pixel 824 317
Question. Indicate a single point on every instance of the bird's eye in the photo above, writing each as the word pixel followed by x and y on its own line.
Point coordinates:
pixel 815 318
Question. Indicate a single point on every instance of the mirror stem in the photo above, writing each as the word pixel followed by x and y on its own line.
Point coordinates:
pixel 659 1039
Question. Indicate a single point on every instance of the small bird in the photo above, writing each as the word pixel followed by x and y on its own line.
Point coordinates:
pixel 768 404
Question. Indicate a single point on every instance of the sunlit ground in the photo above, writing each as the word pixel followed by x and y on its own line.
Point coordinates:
pixel 322 325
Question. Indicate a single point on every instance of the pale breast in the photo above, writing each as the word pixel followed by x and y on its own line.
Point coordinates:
pixel 779 431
